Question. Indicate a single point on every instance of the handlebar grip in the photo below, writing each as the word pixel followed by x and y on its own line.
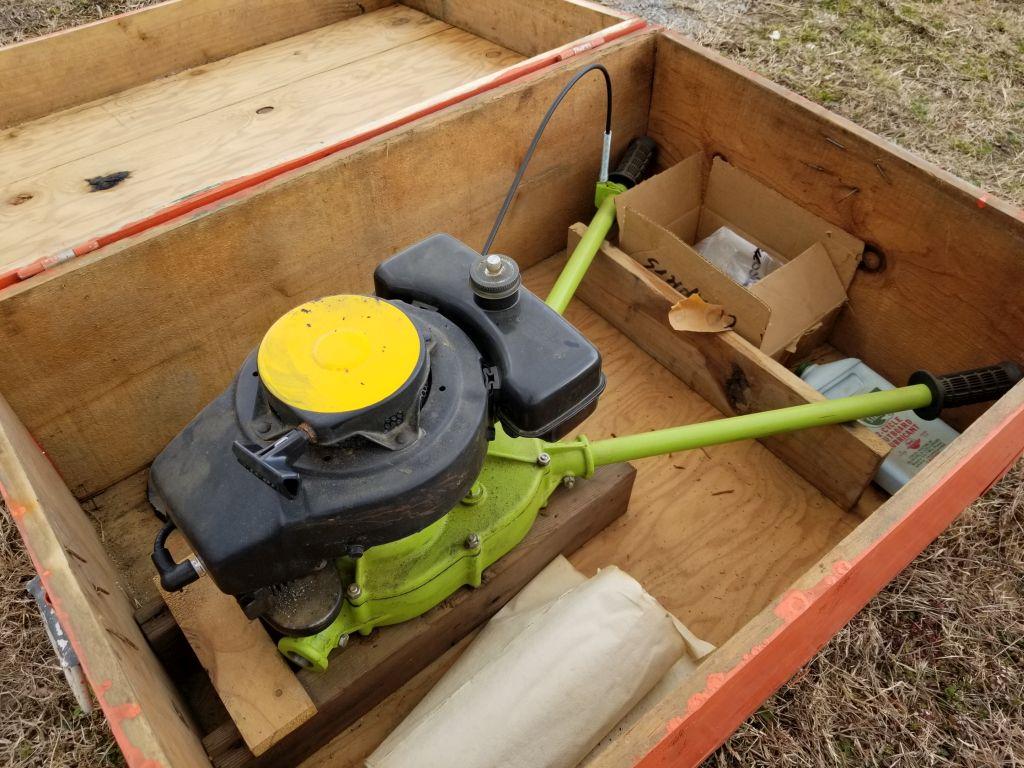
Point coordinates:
pixel 980 385
pixel 639 155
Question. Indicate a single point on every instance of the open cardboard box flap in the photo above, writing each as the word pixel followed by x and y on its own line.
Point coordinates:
pixel 661 218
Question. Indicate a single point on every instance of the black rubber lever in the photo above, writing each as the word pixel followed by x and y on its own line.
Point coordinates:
pixel 634 164
pixel 273 464
pixel 980 385
pixel 173 576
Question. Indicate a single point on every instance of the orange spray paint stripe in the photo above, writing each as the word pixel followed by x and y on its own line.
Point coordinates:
pixel 226 189
pixel 116 714
pixel 810 618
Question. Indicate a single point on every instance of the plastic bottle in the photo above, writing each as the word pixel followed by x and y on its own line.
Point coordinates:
pixel 913 440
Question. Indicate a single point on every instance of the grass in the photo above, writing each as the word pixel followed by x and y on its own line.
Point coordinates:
pixel 22 19
pixel 942 77
pixel 931 673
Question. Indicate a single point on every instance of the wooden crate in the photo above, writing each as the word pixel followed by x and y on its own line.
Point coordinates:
pixel 763 548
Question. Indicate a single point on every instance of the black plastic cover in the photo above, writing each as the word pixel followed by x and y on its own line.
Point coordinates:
pixel 548 374
pixel 352 495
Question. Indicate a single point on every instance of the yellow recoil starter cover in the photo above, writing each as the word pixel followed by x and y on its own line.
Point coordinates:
pixel 339 354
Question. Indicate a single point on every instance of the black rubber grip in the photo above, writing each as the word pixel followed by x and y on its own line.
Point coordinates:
pixel 634 164
pixel 980 385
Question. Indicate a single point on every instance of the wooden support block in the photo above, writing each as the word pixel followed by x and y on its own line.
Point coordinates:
pixel 728 372
pixel 257 686
pixel 371 668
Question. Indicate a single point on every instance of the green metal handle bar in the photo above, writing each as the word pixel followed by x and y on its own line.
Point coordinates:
pixel 583 255
pixel 754 425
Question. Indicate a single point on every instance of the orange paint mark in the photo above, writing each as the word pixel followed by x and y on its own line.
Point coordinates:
pixel 117 714
pixel 796 601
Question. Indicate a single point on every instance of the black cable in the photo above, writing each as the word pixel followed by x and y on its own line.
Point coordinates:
pixel 536 140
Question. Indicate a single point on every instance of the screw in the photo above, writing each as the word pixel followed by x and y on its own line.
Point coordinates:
pixel 263 427
pixel 343 641
pixel 493 264
pixel 569 481
pixel 543 460
pixel 472 541
pixel 354 591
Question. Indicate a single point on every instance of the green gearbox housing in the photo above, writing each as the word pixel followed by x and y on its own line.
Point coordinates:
pixel 401 580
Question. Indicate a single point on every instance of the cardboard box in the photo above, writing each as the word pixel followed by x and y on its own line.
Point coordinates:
pixel 662 218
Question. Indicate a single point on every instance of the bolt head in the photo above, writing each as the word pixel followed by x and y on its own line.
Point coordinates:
pixel 569 481
pixel 354 591
pixel 472 541
pixel 544 459
pixel 299 661
pixel 492 264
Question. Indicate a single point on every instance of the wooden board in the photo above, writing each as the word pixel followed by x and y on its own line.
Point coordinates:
pixel 72 67
pixel 127 526
pixel 258 688
pixel 728 372
pixel 224 121
pixel 949 296
pixel 527 26
pixel 204 291
pixel 71 135
pixel 371 668
pixel 125 676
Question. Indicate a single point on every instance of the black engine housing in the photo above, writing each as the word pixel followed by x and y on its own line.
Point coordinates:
pixel 353 495
pixel 282 517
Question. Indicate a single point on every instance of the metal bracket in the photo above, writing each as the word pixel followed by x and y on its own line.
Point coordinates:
pixel 61 645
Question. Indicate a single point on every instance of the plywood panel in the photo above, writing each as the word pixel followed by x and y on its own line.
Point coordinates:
pixel 713 534
pixel 85 131
pixel 232 127
pixel 78 65
pixel 699 715
pixel 527 26
pixel 127 526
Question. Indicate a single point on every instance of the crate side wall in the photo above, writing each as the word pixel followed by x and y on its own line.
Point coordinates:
pixel 947 295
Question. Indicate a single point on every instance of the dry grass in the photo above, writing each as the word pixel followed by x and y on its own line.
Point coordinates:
pixel 931 673
pixel 944 78
pixel 21 19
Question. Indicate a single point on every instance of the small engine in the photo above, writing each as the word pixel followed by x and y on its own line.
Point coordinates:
pixel 363 420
